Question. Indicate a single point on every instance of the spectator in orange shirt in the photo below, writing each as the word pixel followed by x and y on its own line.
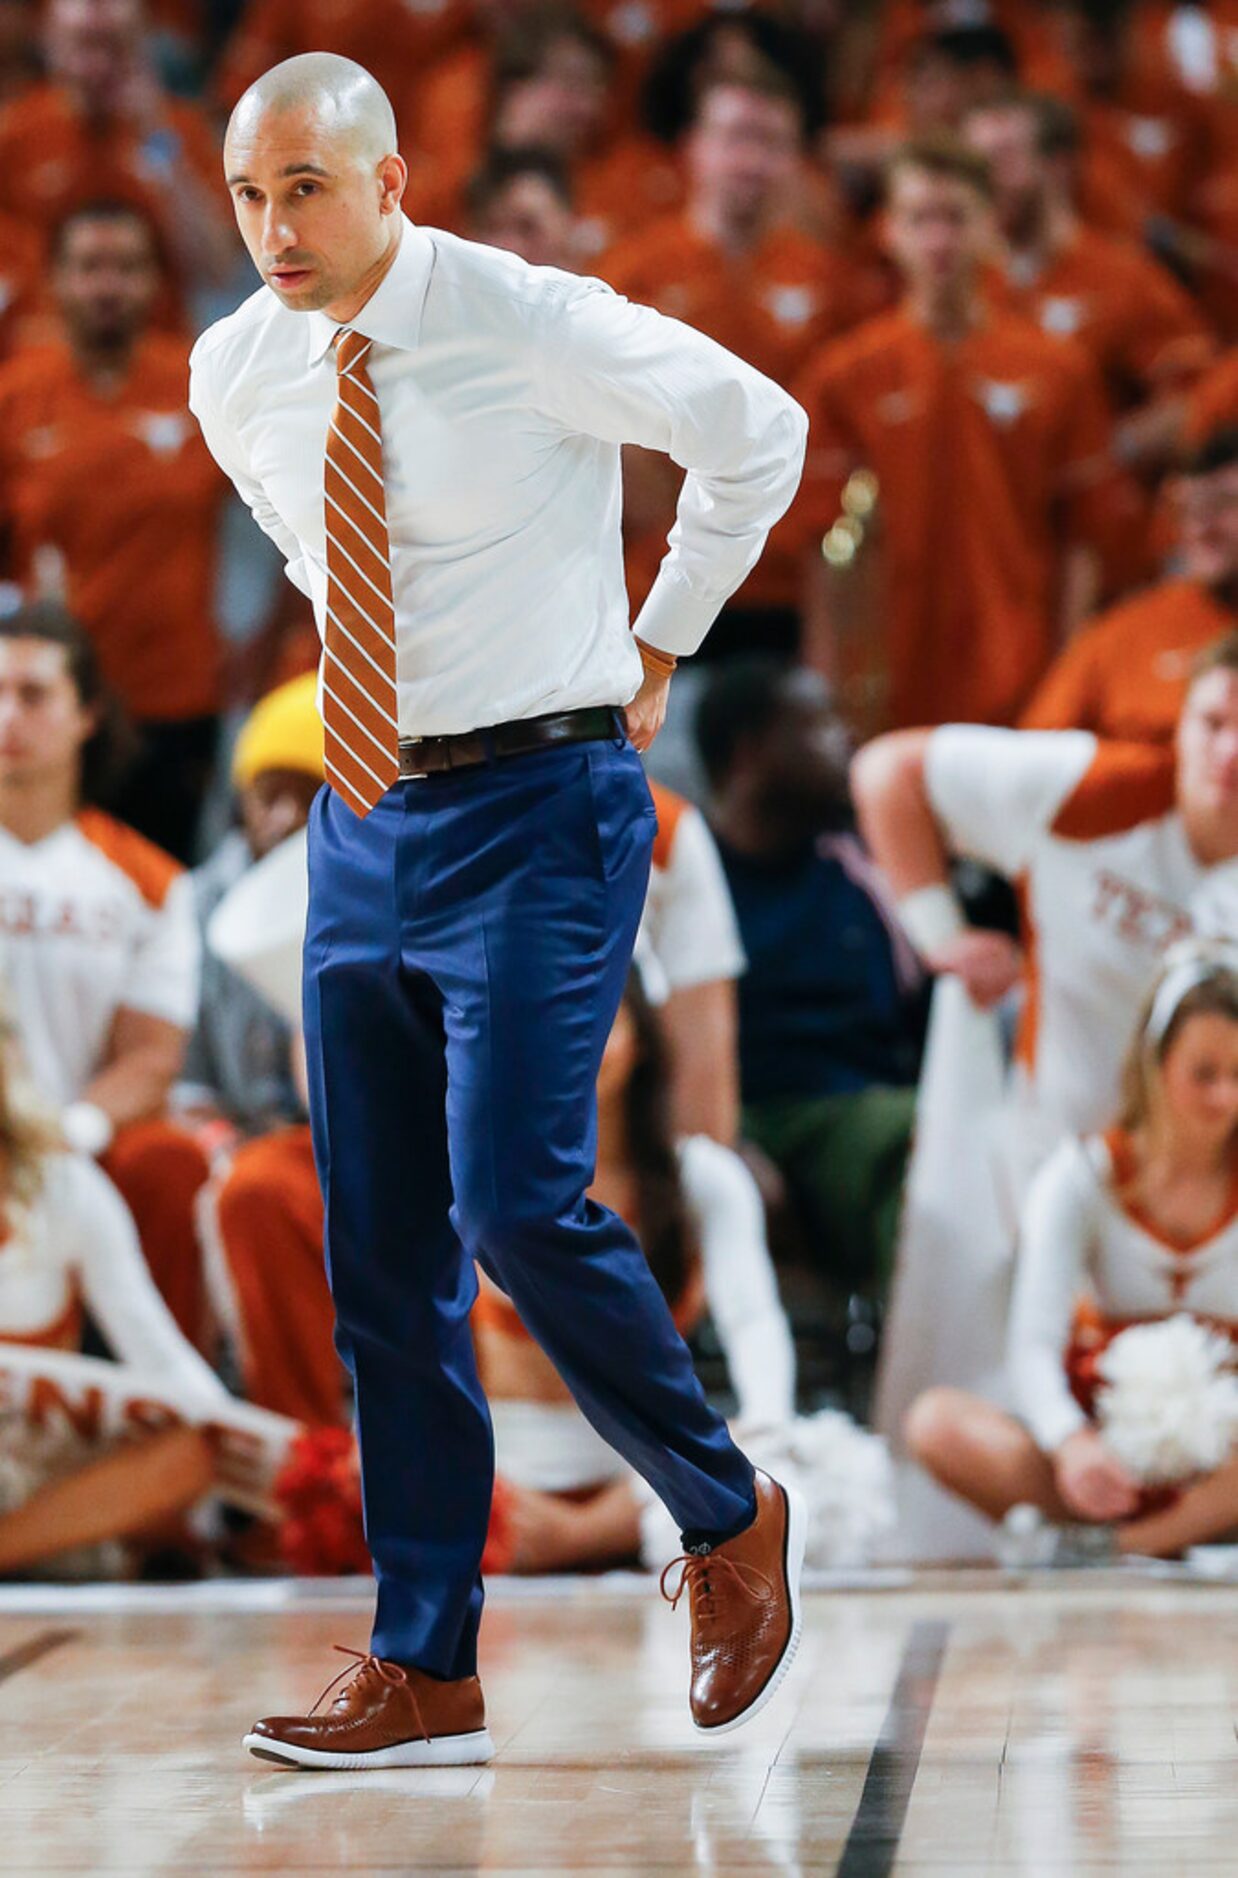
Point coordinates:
pixel 1125 675
pixel 989 443
pixel 554 90
pixel 102 127
pixel 109 501
pixel 521 200
pixel 1131 315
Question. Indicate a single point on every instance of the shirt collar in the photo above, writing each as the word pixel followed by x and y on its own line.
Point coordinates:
pixel 392 314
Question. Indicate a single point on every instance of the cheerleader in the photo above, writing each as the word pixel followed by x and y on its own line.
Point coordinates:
pixel 93 1452
pixel 1144 1221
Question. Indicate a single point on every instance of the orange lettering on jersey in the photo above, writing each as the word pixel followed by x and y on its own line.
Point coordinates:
pixel 49 1400
pixel 1142 918
pixel 67 924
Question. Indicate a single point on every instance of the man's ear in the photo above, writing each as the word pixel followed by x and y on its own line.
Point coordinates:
pixel 392 180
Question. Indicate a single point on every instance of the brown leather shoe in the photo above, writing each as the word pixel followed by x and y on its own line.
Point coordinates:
pixel 384 1716
pixel 745 1603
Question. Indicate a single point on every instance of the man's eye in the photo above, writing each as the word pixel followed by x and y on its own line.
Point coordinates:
pixel 306 189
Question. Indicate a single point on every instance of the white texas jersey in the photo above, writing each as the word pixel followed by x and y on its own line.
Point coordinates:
pixel 1107 880
pixel 93 919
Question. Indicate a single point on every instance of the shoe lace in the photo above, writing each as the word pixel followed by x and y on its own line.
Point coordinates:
pixel 697 1571
pixel 387 1672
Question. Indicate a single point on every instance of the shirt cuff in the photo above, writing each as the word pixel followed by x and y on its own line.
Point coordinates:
pixel 673 618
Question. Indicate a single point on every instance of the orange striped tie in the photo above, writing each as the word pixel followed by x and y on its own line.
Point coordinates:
pixel 358 674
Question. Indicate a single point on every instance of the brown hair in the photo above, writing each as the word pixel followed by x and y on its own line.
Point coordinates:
pixel 112 745
pixel 1214 996
pixel 762 79
pixel 941 156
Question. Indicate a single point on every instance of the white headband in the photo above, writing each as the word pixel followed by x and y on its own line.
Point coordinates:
pixel 1173 988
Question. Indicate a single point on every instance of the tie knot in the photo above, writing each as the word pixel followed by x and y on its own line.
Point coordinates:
pixel 350 348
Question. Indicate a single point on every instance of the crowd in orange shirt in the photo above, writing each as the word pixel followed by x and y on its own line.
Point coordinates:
pixel 1050 325
pixel 992 248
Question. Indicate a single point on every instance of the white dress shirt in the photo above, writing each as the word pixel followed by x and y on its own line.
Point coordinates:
pixel 506 392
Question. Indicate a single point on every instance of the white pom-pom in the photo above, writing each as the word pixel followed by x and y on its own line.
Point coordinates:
pixel 843 1472
pixel 1169 1405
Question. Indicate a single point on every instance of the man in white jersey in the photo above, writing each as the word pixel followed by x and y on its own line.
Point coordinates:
pixel 1117 850
pixel 98 942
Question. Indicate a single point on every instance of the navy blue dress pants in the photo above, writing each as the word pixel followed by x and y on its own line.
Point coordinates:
pixel 466 950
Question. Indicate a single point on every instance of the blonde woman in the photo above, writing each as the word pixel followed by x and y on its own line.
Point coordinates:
pixel 1143 1221
pixel 82 1461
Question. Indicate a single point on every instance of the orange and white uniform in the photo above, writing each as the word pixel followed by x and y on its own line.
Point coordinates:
pixel 1080 1234
pixel 93 919
pixel 1125 675
pixel 1090 835
pixel 689 919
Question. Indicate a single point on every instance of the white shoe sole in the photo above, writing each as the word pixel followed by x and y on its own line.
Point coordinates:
pixel 797 1539
pixel 442 1751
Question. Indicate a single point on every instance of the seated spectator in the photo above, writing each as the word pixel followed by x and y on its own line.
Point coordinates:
pixel 689 925
pixel 1126 310
pixel 1119 851
pixel 698 1215
pixel 98 944
pixel 110 502
pixel 984 569
pixel 1143 1219
pixel 831 1006
pixel 68 1247
pixel 521 200
pixel 101 127
pixel 1124 676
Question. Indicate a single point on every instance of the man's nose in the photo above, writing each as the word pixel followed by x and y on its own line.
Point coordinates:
pixel 278 235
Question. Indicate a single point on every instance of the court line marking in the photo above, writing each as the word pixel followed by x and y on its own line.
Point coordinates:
pixel 873 1841
pixel 12 1662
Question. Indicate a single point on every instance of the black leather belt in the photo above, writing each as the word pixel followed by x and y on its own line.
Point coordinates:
pixel 433 756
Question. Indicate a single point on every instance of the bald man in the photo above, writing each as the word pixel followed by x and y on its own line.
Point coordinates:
pixel 430 430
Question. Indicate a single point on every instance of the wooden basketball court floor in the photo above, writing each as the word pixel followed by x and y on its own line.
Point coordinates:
pixel 947 1724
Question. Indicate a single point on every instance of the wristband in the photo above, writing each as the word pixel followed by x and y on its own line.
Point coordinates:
pixel 87 1128
pixel 660 663
pixel 931 918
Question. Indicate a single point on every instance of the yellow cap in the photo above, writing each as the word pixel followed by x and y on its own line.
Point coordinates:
pixel 283 731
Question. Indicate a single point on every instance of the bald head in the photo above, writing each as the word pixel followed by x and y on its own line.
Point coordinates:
pixel 347 105
pixel 316 182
